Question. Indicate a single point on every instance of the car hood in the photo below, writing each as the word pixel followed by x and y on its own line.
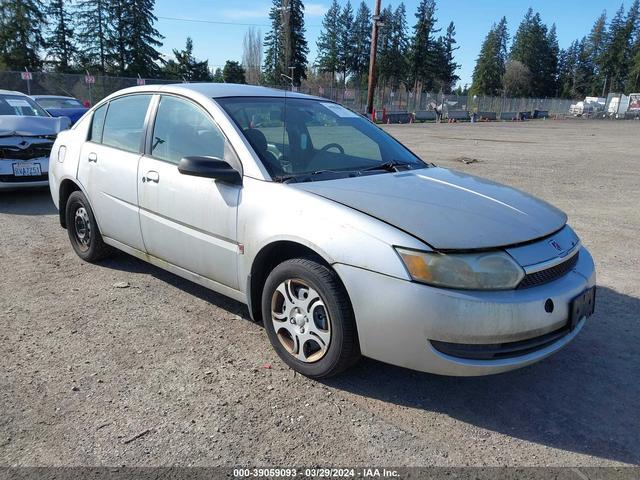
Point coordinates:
pixel 13 125
pixel 448 210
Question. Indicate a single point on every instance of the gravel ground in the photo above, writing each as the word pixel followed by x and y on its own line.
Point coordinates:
pixel 164 372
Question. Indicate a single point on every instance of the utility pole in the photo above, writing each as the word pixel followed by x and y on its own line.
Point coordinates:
pixel 372 58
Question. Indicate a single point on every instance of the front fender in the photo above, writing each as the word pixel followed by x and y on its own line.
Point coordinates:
pixel 271 212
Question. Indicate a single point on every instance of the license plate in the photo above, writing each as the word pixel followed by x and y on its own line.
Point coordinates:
pixel 582 306
pixel 26 169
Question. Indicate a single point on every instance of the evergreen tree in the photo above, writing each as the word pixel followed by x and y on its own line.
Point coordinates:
pixel 345 42
pixel 490 66
pixel 233 72
pixel 94 31
pixel 218 76
pixel 448 76
pixel 118 35
pixel 567 65
pixel 595 46
pixel 61 48
pixel 186 67
pixel 144 59
pixel 393 47
pixel 361 41
pixel 618 55
pixel 273 46
pixel 633 82
pixel 551 62
pixel 633 45
pixel 424 58
pixel 295 43
pixel 286 46
pixel 329 41
pixel 534 47
pixel 613 55
pixel 21 24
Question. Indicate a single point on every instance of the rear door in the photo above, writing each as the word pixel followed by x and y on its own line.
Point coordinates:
pixel 188 221
pixel 108 167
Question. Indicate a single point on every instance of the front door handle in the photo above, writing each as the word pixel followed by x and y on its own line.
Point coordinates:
pixel 93 157
pixel 151 176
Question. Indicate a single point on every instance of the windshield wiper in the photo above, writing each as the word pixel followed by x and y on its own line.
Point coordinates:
pixel 390 166
pixel 285 178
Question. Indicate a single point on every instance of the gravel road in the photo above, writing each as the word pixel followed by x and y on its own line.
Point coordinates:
pixel 124 364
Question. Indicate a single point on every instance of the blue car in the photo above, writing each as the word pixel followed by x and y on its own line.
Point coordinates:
pixel 58 106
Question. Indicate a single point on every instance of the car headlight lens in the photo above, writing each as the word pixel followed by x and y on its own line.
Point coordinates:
pixel 494 270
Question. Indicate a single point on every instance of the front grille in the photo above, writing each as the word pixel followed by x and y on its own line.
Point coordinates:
pixel 549 274
pixel 492 351
pixel 32 178
pixel 36 150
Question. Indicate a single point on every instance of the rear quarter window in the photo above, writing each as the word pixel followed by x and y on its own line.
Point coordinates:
pixel 97 124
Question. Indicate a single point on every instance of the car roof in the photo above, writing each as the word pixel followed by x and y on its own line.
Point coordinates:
pixel 217 90
pixel 53 96
pixel 12 92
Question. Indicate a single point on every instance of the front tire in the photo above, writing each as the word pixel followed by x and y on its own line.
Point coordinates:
pixel 309 319
pixel 83 231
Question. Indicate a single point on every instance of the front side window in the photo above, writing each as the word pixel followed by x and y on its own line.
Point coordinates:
pixel 183 129
pixel 300 139
pixel 124 124
pixel 21 106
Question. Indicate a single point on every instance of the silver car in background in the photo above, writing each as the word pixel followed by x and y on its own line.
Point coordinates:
pixel 337 237
pixel 27 133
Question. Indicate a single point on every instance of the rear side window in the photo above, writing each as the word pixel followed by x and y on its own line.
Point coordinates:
pixel 124 123
pixel 97 124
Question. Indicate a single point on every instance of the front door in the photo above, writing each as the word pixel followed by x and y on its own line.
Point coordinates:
pixel 188 221
pixel 108 167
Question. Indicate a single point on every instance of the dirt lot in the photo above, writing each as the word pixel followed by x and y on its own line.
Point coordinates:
pixel 167 373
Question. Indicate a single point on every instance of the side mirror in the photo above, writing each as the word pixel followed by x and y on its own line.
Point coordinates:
pixel 210 167
pixel 64 123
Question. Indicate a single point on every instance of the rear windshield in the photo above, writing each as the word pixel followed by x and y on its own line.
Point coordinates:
pixel 59 103
pixel 20 106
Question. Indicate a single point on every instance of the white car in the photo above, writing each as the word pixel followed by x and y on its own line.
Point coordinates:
pixel 337 237
pixel 27 133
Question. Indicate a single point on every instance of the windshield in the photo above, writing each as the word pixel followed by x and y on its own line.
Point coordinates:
pixel 21 106
pixel 59 102
pixel 305 139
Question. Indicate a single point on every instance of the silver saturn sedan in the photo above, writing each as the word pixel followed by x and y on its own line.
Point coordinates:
pixel 337 237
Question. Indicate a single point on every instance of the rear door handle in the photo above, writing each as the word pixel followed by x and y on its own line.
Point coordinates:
pixel 93 157
pixel 151 176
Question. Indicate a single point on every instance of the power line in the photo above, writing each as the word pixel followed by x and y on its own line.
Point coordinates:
pixel 219 22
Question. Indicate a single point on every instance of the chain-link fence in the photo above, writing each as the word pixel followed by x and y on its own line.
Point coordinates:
pixel 93 88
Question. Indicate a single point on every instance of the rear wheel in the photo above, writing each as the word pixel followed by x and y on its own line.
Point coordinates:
pixel 308 318
pixel 83 231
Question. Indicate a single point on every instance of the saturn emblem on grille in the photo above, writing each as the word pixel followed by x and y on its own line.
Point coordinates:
pixel 555 244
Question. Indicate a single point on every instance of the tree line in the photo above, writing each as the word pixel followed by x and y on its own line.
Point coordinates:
pixel 118 37
pixel 606 60
pixel 420 60
pixel 110 37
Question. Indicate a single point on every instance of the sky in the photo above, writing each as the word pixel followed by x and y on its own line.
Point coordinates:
pixel 218 42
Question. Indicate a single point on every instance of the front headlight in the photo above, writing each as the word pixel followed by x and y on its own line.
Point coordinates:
pixel 494 270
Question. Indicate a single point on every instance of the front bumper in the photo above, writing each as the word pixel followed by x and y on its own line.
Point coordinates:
pixel 8 181
pixel 398 319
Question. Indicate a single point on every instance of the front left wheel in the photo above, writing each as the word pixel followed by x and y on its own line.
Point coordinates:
pixel 309 319
pixel 83 231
